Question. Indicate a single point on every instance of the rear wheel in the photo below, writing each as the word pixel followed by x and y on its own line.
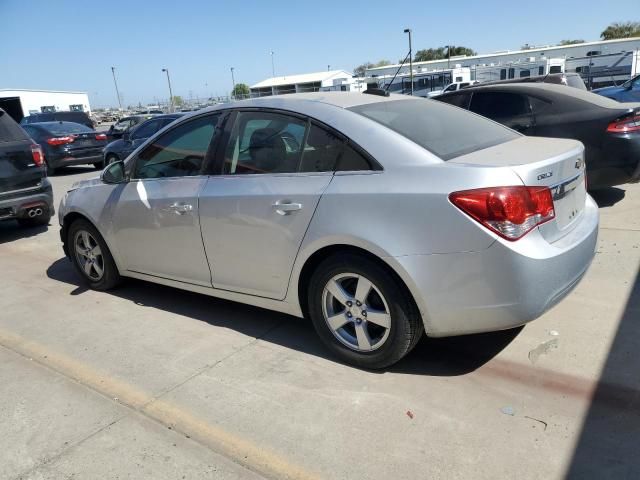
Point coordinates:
pixel 361 312
pixel 91 256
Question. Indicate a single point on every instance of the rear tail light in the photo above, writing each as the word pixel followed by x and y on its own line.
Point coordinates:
pixel 61 140
pixel 101 136
pixel 38 154
pixel 511 212
pixel 626 125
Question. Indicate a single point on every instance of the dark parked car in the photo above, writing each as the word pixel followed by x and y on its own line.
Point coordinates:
pixel 121 148
pixel 76 117
pixel 25 191
pixel 569 79
pixel 125 124
pixel 610 131
pixel 629 91
pixel 66 143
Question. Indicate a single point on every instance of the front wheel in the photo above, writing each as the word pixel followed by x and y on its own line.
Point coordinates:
pixel 364 314
pixel 91 256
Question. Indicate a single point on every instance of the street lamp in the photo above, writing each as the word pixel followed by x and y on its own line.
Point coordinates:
pixel 233 80
pixel 113 72
pixel 408 30
pixel 273 68
pixel 170 92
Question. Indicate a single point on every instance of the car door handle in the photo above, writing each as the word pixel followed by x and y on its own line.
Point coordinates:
pixel 285 208
pixel 180 208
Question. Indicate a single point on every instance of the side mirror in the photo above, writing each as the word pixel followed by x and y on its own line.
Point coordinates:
pixel 114 173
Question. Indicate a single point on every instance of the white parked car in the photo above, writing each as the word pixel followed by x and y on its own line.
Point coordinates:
pixel 452 87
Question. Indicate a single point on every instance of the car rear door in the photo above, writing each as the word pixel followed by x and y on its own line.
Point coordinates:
pixel 508 108
pixel 18 171
pixel 255 213
pixel 155 219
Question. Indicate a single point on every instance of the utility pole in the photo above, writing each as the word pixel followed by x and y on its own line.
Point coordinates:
pixel 170 92
pixel 408 30
pixel 448 56
pixel 233 80
pixel 273 68
pixel 113 72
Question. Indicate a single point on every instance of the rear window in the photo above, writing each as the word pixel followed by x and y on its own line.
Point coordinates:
pixel 443 130
pixel 10 131
pixel 61 128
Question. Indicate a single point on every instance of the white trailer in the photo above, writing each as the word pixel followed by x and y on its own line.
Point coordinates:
pixel 20 102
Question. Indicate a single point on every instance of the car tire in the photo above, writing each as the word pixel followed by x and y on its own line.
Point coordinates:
pixel 107 161
pixel 91 257
pixel 380 326
pixel 34 222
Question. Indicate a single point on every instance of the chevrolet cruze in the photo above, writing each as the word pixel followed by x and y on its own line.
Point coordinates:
pixel 379 217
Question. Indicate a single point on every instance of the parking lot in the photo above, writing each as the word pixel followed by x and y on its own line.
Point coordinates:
pixel 156 382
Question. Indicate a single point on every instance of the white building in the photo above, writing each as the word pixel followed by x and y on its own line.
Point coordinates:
pixel 340 80
pixel 20 102
pixel 599 63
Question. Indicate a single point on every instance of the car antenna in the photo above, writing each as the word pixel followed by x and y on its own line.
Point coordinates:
pixel 384 92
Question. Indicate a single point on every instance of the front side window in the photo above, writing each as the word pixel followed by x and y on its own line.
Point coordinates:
pixel 180 152
pixel 499 105
pixel 264 142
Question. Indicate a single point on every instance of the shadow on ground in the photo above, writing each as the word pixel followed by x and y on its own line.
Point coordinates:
pixel 607 197
pixel 437 357
pixel 609 443
pixel 10 231
pixel 74 170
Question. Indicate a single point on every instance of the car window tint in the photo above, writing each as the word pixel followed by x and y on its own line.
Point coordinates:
pixel 321 151
pixel 145 130
pixel 351 160
pixel 179 152
pixel 499 104
pixel 538 105
pixel 62 128
pixel 10 131
pixel 459 100
pixel 439 128
pixel 264 142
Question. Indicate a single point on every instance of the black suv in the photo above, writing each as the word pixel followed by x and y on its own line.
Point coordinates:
pixel 75 117
pixel 25 191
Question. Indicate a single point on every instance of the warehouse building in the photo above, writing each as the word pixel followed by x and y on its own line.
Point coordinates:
pixel 339 80
pixel 20 102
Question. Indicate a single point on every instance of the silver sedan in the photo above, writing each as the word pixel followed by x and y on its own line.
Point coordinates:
pixel 380 218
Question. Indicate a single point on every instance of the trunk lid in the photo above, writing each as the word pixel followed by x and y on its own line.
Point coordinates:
pixel 556 163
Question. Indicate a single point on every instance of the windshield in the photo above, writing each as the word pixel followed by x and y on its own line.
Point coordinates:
pixel 444 130
pixel 632 81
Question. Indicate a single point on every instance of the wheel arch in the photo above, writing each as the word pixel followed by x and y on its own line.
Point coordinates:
pixel 388 263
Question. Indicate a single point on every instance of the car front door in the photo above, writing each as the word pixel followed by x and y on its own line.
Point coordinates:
pixel 255 212
pixel 155 221
pixel 511 109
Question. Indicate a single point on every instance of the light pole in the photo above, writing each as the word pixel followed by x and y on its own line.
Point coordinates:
pixel 233 81
pixel 170 92
pixel 408 30
pixel 113 72
pixel 273 68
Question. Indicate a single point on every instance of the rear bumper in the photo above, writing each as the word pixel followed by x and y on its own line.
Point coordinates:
pixel 504 286
pixel 63 161
pixel 617 162
pixel 18 206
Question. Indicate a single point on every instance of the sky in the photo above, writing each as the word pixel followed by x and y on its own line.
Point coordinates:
pixel 72 45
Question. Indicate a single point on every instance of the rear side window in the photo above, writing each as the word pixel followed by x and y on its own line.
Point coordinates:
pixel 326 152
pixel 445 131
pixel 461 100
pixel 10 131
pixel 501 105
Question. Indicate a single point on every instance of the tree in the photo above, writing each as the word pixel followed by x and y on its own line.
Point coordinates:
pixel 621 30
pixel 241 90
pixel 177 100
pixel 570 42
pixel 441 53
pixel 360 70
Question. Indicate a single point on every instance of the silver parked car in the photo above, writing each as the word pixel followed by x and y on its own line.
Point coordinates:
pixel 377 217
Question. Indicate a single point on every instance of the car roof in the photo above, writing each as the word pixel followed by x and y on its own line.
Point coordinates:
pixel 549 89
pixel 295 101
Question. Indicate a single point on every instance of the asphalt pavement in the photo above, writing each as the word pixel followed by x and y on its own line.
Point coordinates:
pixel 152 382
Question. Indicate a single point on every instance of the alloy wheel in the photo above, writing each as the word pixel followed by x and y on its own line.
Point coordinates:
pixel 356 312
pixel 89 255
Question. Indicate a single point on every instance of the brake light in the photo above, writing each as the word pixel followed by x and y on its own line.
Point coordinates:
pixel 38 154
pixel 631 124
pixel 61 140
pixel 511 212
pixel 101 136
